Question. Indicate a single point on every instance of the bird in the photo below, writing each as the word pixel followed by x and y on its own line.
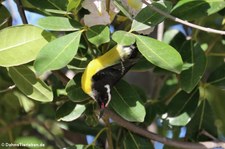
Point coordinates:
pixel 103 72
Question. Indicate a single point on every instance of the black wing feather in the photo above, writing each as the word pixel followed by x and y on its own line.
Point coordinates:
pixel 111 75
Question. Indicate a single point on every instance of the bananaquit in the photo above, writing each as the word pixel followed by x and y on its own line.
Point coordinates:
pixel 102 73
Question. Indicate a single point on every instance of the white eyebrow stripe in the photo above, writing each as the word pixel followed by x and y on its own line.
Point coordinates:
pixel 108 92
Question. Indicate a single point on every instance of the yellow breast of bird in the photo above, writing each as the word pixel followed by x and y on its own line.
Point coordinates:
pixel 109 58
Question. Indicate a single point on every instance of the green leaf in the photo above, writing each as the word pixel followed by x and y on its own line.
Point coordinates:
pixel 142 65
pixel 132 141
pixel 81 146
pixel 74 90
pixel 180 120
pixel 98 34
pixel 192 9
pixel 81 126
pixel 69 111
pixel 4 17
pixel 147 17
pixel 123 38
pixel 153 108
pixel 30 140
pixel 59 24
pixel 10 108
pixel 215 96
pixel 217 77
pixel 126 102
pixel 174 38
pixel 78 64
pixel 182 107
pixel 58 12
pixel 73 4
pixel 50 4
pixel 27 104
pixel 120 6
pixel 57 53
pixel 202 120
pixel 21 44
pixel 159 53
pixel 192 53
pixel 29 84
pixel 183 102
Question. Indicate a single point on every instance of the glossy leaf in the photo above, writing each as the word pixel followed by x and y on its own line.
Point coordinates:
pixel 58 12
pixel 81 146
pixel 28 140
pixel 21 44
pixel 132 141
pixel 69 111
pixel 174 38
pixel 183 102
pixel 215 97
pixel 198 9
pixel 98 34
pixel 147 17
pixel 153 108
pixel 126 102
pixel 78 64
pixel 123 38
pixel 4 17
pixel 142 65
pixel 25 102
pixel 74 90
pixel 58 53
pixel 59 24
pixel 193 54
pixel 29 84
pixel 44 5
pixel 159 53
pixel 73 4
pixel 202 120
pixel 120 6
pixel 218 76
pixel 180 120
pixel 10 108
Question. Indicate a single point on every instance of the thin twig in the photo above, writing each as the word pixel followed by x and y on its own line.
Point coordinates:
pixel 206 29
pixel 21 11
pixel 8 89
pixel 216 54
pixel 170 142
pixel 108 132
pixel 96 137
pixel 204 132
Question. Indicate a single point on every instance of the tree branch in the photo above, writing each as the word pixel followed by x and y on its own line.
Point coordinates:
pixel 16 123
pixel 209 30
pixel 170 142
pixel 61 76
pixel 21 11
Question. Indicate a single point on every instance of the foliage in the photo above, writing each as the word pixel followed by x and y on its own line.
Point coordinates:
pixel 39 105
